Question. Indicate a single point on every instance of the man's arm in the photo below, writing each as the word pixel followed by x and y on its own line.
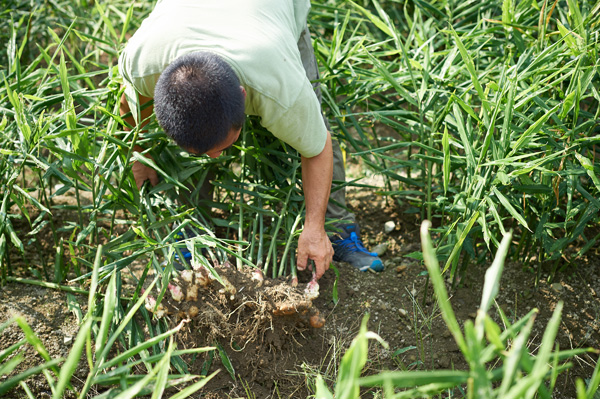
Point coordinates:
pixel 313 243
pixel 141 172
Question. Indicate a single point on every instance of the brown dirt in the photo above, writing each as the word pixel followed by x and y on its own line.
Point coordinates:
pixel 48 315
pixel 280 360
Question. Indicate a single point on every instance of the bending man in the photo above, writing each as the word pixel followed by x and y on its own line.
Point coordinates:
pixel 208 64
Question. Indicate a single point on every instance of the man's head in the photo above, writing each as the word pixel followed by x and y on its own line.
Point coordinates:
pixel 199 102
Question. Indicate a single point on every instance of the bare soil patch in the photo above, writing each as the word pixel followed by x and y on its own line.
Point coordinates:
pixel 279 356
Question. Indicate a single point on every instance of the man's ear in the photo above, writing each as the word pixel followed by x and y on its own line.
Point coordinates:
pixel 243 91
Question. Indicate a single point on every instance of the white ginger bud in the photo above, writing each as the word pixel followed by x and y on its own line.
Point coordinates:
pixel 257 275
pixel 187 276
pixel 150 305
pixel 203 277
pixel 192 293
pixel 228 287
pixel 312 289
pixel 176 292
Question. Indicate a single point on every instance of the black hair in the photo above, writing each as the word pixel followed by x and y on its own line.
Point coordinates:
pixel 198 100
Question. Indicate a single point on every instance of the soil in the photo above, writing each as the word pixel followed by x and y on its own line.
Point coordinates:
pixel 281 359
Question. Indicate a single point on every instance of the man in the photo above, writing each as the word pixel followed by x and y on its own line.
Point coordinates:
pixel 207 63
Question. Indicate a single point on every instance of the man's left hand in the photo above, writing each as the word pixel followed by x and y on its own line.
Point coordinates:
pixel 315 245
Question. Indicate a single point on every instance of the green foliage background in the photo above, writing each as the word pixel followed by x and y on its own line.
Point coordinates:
pixel 495 110
pixel 481 116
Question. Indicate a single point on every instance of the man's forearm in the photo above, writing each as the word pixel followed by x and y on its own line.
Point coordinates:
pixel 313 243
pixel 145 109
pixel 317 174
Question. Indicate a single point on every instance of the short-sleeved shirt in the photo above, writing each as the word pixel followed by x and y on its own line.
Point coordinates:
pixel 257 38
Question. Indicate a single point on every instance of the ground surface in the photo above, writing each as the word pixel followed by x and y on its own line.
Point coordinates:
pixel 283 362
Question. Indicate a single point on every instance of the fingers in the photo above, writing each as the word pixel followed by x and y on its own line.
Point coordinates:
pixel 153 177
pixel 316 247
pixel 321 267
pixel 322 263
pixel 302 260
pixel 141 173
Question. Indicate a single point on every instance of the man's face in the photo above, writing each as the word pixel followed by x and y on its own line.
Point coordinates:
pixel 215 152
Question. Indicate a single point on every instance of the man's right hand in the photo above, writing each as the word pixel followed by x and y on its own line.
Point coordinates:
pixel 141 173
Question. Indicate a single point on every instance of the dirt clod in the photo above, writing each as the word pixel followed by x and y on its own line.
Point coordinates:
pixel 237 298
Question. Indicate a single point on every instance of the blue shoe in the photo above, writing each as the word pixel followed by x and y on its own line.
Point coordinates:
pixel 180 262
pixel 187 255
pixel 348 247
